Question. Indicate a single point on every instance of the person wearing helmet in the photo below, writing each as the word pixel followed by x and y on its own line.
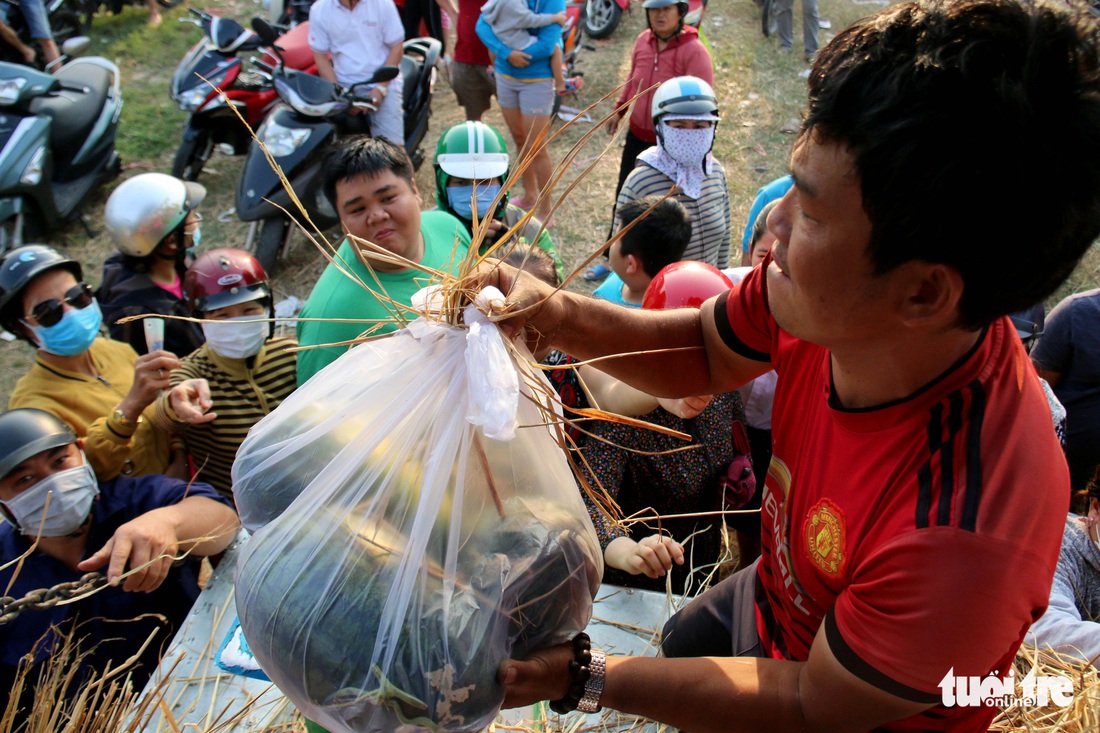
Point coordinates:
pixel 471 165
pixel 61 522
pixel 99 386
pixel 664 50
pixel 685 116
pixel 153 221
pixel 247 369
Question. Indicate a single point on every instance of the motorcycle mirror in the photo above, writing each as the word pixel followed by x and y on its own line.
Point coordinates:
pixel 264 30
pixel 76 45
pixel 384 73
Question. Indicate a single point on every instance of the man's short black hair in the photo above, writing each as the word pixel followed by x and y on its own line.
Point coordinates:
pixel 661 237
pixel 362 155
pixel 975 130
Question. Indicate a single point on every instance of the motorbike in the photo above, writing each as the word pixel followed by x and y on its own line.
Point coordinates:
pixel 289 13
pixel 57 141
pixel 602 16
pixel 214 62
pixel 66 23
pixel 298 132
pixel 572 41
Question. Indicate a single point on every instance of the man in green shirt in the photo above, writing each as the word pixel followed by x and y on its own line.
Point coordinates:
pixel 370 183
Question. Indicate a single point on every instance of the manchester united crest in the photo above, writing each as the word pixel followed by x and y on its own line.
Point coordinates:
pixel 824 534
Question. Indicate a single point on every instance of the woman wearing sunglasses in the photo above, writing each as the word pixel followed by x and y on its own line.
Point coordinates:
pixel 100 387
pixel 153 221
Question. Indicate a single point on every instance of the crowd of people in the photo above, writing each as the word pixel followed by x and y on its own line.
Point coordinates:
pixel 853 377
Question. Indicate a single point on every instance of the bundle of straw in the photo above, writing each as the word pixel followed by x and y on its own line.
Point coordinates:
pixel 1082 715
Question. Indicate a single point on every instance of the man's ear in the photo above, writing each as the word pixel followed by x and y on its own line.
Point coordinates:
pixel 416 191
pixel 932 294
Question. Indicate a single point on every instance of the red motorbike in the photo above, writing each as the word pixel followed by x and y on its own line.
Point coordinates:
pixel 603 16
pixel 214 62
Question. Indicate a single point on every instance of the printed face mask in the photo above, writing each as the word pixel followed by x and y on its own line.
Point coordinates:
pixel 461 200
pixel 70 493
pixel 687 147
pixel 233 338
pixel 73 334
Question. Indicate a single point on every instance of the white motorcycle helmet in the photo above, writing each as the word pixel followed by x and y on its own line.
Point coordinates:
pixel 145 209
pixel 687 96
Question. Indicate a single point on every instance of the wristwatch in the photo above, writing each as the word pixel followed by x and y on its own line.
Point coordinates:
pixel 124 421
pixel 593 687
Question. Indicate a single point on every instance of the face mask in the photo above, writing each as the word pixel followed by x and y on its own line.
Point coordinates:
pixel 461 200
pixel 73 334
pixel 73 491
pixel 687 147
pixel 234 339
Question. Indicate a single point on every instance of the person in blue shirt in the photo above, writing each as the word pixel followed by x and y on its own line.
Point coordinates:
pixel 143 534
pixel 661 232
pixel 525 92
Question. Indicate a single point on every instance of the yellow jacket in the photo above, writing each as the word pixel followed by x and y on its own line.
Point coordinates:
pixel 87 404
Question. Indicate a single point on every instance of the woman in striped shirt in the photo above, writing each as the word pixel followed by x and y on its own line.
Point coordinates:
pixel 685 115
pixel 245 370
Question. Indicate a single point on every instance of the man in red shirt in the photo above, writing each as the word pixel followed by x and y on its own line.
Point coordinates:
pixel 913 509
pixel 474 88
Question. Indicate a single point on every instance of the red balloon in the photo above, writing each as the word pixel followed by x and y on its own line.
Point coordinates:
pixel 685 284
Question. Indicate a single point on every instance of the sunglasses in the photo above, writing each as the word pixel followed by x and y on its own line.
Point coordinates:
pixel 49 312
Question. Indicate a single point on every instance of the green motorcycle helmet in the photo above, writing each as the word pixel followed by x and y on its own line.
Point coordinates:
pixel 470 150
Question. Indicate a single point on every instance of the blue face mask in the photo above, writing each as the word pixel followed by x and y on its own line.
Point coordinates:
pixel 461 200
pixel 73 334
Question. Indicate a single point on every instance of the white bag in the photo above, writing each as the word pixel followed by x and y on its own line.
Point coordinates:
pixel 415 552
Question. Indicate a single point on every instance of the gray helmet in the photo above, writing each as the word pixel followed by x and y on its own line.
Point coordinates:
pixel 145 209
pixel 18 268
pixel 665 3
pixel 27 432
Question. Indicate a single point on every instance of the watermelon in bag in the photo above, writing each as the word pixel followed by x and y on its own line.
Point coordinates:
pixel 416 524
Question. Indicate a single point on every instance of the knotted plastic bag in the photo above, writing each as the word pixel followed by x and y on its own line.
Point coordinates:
pixel 430 527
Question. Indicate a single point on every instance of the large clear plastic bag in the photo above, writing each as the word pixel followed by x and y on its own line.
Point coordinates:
pixel 419 551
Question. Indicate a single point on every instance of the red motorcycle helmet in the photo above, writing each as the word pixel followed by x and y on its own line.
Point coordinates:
pixel 224 277
pixel 685 284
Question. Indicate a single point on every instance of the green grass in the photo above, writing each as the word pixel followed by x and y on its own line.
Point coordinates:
pixel 150 123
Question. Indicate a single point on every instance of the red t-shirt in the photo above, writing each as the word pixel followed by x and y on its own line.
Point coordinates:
pixel 923 533
pixel 468 47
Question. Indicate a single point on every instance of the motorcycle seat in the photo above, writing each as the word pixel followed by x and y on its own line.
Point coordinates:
pixel 411 69
pixel 74 113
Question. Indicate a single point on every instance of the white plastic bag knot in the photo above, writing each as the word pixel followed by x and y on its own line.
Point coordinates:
pixel 491 378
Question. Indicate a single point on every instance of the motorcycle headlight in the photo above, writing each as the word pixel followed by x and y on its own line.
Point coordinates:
pixel 191 99
pixel 281 141
pixel 10 89
pixel 32 172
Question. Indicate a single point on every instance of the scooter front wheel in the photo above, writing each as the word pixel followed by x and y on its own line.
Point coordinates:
pixel 273 235
pixel 192 154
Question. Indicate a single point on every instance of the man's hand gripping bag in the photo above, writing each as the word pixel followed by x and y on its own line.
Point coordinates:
pixel 436 530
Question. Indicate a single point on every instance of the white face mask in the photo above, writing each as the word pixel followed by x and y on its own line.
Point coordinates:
pixel 233 338
pixel 73 491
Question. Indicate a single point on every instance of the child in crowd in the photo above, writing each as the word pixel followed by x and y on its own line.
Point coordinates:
pixel 654 241
pixel 247 370
pixel 510 21
pixel 757 396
